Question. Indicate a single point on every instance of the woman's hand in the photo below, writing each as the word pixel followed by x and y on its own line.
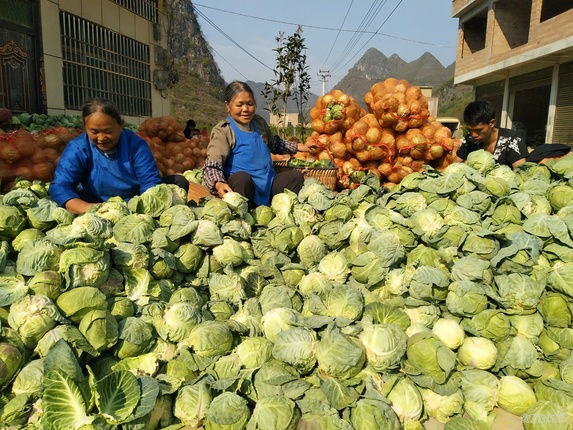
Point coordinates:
pixel 78 206
pixel 222 188
pixel 307 147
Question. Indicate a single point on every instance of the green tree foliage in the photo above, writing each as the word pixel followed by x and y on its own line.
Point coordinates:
pixel 292 79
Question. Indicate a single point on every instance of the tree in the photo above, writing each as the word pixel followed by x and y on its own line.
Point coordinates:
pixel 292 79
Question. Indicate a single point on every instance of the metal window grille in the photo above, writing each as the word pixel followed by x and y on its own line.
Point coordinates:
pixel 145 8
pixel 102 63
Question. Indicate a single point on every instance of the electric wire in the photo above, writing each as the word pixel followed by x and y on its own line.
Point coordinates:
pixel 375 33
pixel 370 15
pixel 202 15
pixel 337 34
pixel 381 25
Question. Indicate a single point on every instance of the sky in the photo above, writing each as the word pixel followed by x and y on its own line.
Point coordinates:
pixel 243 35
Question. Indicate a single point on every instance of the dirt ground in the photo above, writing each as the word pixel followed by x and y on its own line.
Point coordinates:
pixel 503 421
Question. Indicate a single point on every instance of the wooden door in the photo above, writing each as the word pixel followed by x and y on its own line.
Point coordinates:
pixel 22 86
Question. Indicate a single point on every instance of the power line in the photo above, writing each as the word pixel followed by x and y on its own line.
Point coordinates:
pixel 370 15
pixel 338 33
pixel 375 33
pixel 384 22
pixel 202 15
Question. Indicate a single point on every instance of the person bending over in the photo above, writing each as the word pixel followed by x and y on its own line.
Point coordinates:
pixel 106 160
pixel 505 145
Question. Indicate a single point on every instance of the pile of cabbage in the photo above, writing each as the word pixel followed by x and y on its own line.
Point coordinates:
pixel 448 297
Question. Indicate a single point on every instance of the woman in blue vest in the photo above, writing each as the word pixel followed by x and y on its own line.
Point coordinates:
pixel 239 152
pixel 106 160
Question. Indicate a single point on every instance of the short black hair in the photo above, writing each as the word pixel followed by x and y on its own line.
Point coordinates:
pixel 235 88
pixel 479 111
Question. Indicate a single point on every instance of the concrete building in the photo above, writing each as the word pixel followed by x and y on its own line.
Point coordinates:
pixel 57 54
pixel 518 54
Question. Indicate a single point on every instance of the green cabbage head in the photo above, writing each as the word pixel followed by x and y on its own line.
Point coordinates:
pixel 515 395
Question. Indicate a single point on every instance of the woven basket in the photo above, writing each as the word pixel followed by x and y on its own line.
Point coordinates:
pixel 327 176
pixel 196 192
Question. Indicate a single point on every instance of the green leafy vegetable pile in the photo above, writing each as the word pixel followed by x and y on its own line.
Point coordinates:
pixel 446 297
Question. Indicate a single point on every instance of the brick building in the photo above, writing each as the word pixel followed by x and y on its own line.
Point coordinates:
pixel 518 54
pixel 56 54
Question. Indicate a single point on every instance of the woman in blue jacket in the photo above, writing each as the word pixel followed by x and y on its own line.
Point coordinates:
pixel 105 161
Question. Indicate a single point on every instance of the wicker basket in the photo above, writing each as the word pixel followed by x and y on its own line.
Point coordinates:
pixel 327 176
pixel 196 192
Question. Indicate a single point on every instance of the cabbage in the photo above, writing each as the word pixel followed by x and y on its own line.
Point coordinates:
pixel 278 319
pixel 30 378
pixel 254 351
pixel 480 389
pixel 546 415
pixel 33 316
pixel 481 160
pixel 192 403
pixel 428 355
pixel 100 328
pixel 339 355
pixel 515 395
pixel 210 338
pixel 385 345
pixel 276 412
pixel 239 204
pixel 369 414
pixel 334 266
pixel 12 222
pixel 406 401
pixel 566 370
pixel 450 332
pixel 442 407
pixel 560 196
pixel 296 346
pixel 10 361
pixel 478 352
pixel 311 249
pixel 229 253
pixel 227 411
pixel 556 391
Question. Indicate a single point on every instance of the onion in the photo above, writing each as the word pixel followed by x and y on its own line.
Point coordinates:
pixel 338 149
pixel 442 134
pixel 435 151
pixel 318 125
pixel 325 100
pixel 401 125
pixel 335 138
pixel 373 135
pixel 358 144
pixel 391 104
pixel 44 171
pixel 315 112
pixel 385 169
pixel 9 153
pixel 414 93
pixel 323 155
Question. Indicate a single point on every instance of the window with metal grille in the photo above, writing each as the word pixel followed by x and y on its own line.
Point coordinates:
pixel 144 8
pixel 102 63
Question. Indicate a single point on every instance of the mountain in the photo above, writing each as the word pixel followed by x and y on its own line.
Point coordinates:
pixel 197 85
pixel 374 67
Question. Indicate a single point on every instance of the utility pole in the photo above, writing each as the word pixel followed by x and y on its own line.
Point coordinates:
pixel 324 74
